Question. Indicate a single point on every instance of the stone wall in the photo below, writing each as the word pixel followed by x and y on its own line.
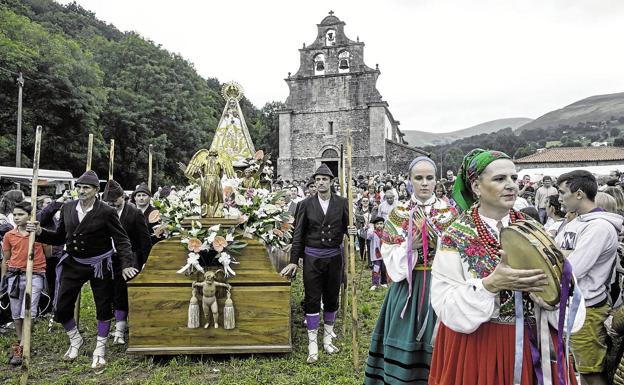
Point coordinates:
pixel 399 156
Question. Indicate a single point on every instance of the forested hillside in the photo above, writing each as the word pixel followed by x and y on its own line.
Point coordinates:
pixel 527 142
pixel 84 76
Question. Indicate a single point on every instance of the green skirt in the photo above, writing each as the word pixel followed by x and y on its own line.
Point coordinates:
pixel 397 355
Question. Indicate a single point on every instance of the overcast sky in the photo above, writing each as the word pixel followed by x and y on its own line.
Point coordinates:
pixel 445 64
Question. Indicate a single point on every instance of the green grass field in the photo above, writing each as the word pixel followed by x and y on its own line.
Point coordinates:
pixel 48 348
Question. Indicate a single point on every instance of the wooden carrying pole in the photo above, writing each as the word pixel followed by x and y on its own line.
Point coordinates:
pixel 111 161
pixel 344 300
pixel 149 168
pixel 354 314
pixel 27 323
pixel 89 152
pixel 88 167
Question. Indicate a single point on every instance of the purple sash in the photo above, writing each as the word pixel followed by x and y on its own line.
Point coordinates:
pixel 95 262
pixel 322 253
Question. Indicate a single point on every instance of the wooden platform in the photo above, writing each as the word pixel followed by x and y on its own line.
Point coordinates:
pixel 159 301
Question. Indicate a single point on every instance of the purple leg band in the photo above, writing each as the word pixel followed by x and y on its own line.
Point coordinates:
pixel 120 315
pixel 329 317
pixel 313 321
pixel 376 278
pixel 103 328
pixel 69 325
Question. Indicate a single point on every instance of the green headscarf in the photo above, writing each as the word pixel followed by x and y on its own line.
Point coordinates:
pixel 472 166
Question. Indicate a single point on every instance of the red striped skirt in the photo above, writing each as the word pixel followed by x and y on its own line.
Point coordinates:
pixel 484 357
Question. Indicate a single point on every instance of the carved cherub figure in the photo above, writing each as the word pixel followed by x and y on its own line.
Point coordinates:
pixel 209 298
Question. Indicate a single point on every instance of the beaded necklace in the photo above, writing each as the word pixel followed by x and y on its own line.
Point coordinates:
pixel 492 245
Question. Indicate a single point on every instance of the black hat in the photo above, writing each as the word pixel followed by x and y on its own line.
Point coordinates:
pixel 310 182
pixel 112 191
pixel 142 189
pixel 323 170
pixel 90 178
pixel 377 219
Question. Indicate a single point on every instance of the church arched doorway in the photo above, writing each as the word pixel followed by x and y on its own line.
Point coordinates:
pixel 330 157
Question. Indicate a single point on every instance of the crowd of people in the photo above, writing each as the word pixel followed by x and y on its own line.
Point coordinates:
pixel 454 312
pixel 451 313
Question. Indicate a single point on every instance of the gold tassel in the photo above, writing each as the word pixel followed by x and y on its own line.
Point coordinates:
pixel 193 311
pixel 229 321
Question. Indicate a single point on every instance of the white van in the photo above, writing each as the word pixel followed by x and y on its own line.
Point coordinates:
pixel 50 181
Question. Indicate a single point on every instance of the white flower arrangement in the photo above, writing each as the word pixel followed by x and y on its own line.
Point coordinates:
pixel 260 214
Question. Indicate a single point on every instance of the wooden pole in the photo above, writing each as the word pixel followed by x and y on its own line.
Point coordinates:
pixel 149 168
pixel 27 324
pixel 354 313
pixel 111 161
pixel 89 152
pixel 344 300
pixel 79 298
pixel 18 143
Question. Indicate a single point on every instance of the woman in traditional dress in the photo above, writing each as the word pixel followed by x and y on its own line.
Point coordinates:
pixel 473 290
pixel 401 347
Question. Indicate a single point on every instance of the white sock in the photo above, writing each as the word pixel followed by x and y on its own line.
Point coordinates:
pixel 100 346
pixel 121 326
pixel 312 342
pixel 75 342
pixel 328 335
pixel 99 352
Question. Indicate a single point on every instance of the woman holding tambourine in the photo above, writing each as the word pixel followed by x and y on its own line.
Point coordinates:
pixel 493 325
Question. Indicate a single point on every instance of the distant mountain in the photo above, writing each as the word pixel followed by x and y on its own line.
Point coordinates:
pixel 593 109
pixel 422 138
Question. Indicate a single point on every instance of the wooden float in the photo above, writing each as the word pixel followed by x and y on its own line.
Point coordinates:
pixel 159 300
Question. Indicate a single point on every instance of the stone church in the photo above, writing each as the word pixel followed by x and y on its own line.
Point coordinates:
pixel 334 90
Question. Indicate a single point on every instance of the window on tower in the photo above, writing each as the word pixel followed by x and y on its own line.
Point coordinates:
pixel 344 61
pixel 330 128
pixel 319 64
pixel 330 37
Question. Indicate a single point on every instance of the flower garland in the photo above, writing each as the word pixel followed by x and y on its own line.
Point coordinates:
pixel 225 242
pixel 260 213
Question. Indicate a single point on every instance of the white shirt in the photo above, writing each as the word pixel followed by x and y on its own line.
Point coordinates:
pixel 120 210
pixel 81 214
pixel 459 298
pixel 324 203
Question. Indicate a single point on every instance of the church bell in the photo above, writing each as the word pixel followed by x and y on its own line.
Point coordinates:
pixel 320 66
pixel 344 64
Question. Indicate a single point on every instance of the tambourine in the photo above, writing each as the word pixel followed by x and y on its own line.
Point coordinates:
pixel 529 247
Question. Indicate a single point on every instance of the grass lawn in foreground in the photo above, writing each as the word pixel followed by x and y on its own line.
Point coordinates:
pixel 47 366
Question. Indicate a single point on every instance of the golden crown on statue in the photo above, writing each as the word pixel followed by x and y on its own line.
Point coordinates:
pixel 232 90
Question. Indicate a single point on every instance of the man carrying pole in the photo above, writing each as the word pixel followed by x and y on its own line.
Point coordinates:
pixel 321 224
pixel 86 227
